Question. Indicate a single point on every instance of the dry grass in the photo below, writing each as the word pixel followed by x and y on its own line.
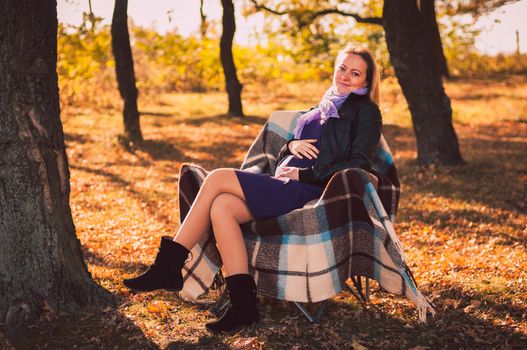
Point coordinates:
pixel 464 228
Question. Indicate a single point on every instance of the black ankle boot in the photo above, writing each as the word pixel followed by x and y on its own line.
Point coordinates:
pixel 243 309
pixel 165 273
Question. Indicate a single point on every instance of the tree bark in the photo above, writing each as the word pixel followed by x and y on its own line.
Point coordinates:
pixel 428 13
pixel 124 69
pixel 421 84
pixel 233 85
pixel 41 264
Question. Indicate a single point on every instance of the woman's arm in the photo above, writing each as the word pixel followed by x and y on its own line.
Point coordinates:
pixel 365 139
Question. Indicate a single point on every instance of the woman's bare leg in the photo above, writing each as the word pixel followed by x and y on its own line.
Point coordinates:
pixel 228 211
pixel 197 221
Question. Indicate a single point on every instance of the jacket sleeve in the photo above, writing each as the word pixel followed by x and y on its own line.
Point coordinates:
pixel 284 151
pixel 363 144
pixel 307 175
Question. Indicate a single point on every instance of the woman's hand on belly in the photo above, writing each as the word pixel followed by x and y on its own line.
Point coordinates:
pixel 304 148
pixel 288 172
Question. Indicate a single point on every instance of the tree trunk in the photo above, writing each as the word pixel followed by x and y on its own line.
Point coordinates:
pixel 124 69
pixel 233 86
pixel 204 24
pixel 41 264
pixel 421 84
pixel 439 62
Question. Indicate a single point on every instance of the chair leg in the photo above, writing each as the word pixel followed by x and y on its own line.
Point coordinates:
pixel 367 289
pixel 316 318
pixel 362 296
pixel 222 303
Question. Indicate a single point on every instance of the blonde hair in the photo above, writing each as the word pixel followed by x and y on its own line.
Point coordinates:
pixel 372 71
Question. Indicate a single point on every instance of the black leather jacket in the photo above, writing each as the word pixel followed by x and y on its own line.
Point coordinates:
pixel 346 142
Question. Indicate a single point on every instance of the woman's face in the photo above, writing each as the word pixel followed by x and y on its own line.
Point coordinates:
pixel 350 73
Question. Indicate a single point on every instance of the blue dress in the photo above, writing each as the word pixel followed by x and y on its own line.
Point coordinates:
pixel 268 196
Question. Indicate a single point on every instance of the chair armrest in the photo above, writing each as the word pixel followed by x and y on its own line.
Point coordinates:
pixel 348 181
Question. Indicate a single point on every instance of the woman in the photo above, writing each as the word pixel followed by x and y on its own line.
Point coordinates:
pixel 340 132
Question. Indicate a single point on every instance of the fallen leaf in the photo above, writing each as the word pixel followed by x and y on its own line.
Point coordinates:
pixel 246 343
pixel 357 346
pixel 157 308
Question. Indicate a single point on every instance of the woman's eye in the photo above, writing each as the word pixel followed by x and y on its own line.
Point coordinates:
pixel 341 69
pixel 355 74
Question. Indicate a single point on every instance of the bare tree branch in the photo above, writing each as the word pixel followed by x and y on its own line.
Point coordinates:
pixel 358 18
pixel 259 7
pixel 311 16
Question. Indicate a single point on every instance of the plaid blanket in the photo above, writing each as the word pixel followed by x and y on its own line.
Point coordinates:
pixel 307 255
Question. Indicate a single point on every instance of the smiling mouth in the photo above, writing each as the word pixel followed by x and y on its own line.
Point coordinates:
pixel 343 83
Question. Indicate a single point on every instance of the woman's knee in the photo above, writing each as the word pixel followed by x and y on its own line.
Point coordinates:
pixel 220 207
pixel 220 173
pixel 228 206
pixel 217 177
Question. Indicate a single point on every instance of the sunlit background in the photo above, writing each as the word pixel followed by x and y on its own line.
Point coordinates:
pixel 498 29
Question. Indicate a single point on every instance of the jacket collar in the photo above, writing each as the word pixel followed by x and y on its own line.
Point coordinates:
pixel 354 97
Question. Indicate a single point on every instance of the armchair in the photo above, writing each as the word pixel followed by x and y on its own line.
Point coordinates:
pixel 309 254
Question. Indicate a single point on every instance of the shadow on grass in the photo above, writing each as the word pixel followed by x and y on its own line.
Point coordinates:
pixel 222 154
pixel 204 342
pixel 155 114
pixel 90 329
pixel 487 80
pixel 492 160
pixel 488 181
pixel 114 178
pixel 126 267
pixel 161 150
pixel 343 322
pixel 224 119
pixel 399 139
pixel 77 138
pixel 458 218
pixel 495 303
pixel 455 326
pixel 282 326
pixel 476 97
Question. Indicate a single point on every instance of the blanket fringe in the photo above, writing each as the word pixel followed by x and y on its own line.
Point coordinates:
pixel 423 307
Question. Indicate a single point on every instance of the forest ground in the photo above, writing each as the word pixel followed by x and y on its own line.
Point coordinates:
pixel 464 228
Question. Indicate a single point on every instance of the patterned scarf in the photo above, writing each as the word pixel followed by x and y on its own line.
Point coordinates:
pixel 327 108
